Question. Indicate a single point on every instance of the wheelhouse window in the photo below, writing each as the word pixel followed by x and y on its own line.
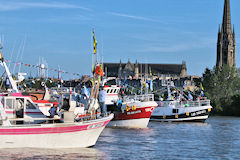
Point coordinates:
pixel 175 111
pixel 29 105
pixel 19 103
pixel 10 103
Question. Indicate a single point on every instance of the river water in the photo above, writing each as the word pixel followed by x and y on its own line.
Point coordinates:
pixel 218 138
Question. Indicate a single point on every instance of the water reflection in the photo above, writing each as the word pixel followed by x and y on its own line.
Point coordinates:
pixel 218 138
pixel 39 153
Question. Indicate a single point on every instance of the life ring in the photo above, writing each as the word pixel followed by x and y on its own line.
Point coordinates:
pixel 134 107
pixel 127 107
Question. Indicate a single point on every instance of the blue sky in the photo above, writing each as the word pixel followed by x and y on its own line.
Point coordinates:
pixel 151 31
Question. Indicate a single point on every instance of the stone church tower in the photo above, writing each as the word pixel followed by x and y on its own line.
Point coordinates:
pixel 226 39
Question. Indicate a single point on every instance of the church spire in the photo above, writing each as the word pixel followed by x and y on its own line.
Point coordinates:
pixel 226 25
pixel 226 39
pixel 233 30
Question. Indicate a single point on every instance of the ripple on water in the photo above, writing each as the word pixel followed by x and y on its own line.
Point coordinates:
pixel 218 138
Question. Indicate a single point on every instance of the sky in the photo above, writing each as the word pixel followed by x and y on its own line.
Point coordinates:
pixel 149 31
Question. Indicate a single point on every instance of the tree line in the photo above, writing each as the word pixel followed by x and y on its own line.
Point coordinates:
pixel 222 87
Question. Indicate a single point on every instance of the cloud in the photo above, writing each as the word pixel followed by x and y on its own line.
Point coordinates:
pixel 9 6
pixel 131 16
pixel 173 48
pixel 66 19
pixel 202 43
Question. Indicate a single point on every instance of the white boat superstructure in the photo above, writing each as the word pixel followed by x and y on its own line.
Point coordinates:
pixel 135 111
pixel 20 130
pixel 173 110
pixel 112 94
pixel 17 106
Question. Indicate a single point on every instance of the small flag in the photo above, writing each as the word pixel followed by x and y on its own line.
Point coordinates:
pixel 184 85
pixel 7 82
pixel 93 68
pixel 151 85
pixel 94 43
pixel 101 70
pixel 1 57
pixel 150 71
pixel 201 87
pixel 190 97
pixel 125 82
pixel 202 93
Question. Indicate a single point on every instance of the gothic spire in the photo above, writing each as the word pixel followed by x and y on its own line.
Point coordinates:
pixel 233 30
pixel 226 39
pixel 226 25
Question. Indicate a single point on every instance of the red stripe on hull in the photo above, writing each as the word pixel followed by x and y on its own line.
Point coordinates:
pixel 50 130
pixel 112 94
pixel 85 115
pixel 12 112
pixel 144 112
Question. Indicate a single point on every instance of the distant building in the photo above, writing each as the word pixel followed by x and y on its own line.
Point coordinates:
pixel 137 70
pixel 226 39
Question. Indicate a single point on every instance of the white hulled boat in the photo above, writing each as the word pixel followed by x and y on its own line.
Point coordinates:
pixel 135 111
pixel 173 110
pixel 18 129
pixel 176 110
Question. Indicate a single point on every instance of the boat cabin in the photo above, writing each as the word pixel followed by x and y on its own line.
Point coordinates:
pixel 112 94
pixel 18 106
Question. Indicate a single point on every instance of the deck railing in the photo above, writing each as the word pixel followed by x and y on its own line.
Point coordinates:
pixel 197 103
pixel 142 98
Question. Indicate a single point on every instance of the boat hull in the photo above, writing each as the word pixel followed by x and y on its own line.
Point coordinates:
pixel 133 118
pixel 60 135
pixel 131 123
pixel 188 119
pixel 185 114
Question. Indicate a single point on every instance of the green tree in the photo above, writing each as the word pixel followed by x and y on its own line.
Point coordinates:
pixel 220 85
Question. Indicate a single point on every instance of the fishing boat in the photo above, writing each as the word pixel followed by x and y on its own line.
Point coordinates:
pixel 134 112
pixel 22 130
pixel 24 106
pixel 19 133
pixel 177 110
pixel 19 130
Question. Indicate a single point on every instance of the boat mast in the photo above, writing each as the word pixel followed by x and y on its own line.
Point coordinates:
pixel 5 120
pixel 12 82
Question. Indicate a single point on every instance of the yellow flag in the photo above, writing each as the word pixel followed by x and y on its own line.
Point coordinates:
pixel 201 86
pixel 1 57
pixel 94 44
pixel 150 71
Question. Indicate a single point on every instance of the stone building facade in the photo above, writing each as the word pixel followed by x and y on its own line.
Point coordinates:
pixel 226 39
pixel 137 70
